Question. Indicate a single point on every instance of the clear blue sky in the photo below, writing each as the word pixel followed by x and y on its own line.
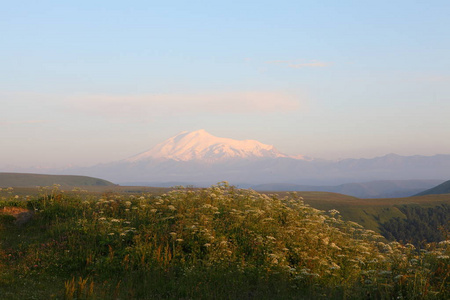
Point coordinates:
pixel 83 82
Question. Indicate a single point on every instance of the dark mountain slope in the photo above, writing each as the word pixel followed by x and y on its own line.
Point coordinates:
pixel 443 188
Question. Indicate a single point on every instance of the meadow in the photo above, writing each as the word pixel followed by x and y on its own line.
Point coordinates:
pixel 214 243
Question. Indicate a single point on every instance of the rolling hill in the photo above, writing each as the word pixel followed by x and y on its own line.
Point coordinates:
pixel 371 213
pixel 33 180
pixel 443 188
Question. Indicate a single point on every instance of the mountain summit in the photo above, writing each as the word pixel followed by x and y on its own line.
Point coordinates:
pixel 201 146
pixel 200 158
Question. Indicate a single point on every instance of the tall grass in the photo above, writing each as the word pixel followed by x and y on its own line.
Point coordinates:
pixel 219 242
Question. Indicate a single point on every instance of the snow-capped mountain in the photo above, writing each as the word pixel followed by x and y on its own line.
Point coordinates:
pixel 201 146
pixel 200 158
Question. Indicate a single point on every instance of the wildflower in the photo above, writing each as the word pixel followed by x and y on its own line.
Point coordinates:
pixel 111 233
pixel 171 207
pixel 207 245
pixel 334 266
pixel 173 234
pixel 268 219
pixel 179 240
pixel 334 246
pixel 128 203
pixel 385 273
pixel 115 221
pixel 153 210
pixel 398 277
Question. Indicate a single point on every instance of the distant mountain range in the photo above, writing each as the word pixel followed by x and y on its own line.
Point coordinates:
pixel 373 189
pixel 202 159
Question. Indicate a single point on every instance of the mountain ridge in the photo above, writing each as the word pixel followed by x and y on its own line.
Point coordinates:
pixel 200 145
pixel 199 157
pixel 367 190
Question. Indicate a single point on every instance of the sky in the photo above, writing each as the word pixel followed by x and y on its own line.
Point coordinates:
pixel 87 82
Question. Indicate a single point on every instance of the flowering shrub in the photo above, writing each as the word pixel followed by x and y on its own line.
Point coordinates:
pixel 222 242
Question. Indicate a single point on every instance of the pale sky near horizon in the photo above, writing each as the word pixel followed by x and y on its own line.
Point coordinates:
pixel 86 82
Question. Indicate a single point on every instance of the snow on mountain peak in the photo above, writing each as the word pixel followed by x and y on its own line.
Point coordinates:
pixel 200 145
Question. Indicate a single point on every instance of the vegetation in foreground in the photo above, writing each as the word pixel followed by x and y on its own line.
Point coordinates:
pixel 220 242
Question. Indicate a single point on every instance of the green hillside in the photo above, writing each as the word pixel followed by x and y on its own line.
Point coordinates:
pixel 33 180
pixel 412 219
pixel 443 188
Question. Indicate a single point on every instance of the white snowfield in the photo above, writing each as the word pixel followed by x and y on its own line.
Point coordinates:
pixel 202 146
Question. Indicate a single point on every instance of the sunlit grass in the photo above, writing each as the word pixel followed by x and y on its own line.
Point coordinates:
pixel 219 242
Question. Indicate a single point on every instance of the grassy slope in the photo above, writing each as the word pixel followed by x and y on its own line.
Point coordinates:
pixel 33 180
pixel 367 212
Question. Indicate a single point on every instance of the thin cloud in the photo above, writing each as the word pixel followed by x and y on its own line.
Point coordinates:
pixel 182 104
pixel 436 78
pixel 25 122
pixel 278 62
pixel 318 64
pixel 298 65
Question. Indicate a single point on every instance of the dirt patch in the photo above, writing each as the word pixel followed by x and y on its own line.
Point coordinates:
pixel 22 215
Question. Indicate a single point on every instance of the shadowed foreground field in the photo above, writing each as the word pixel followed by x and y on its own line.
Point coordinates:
pixel 216 243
